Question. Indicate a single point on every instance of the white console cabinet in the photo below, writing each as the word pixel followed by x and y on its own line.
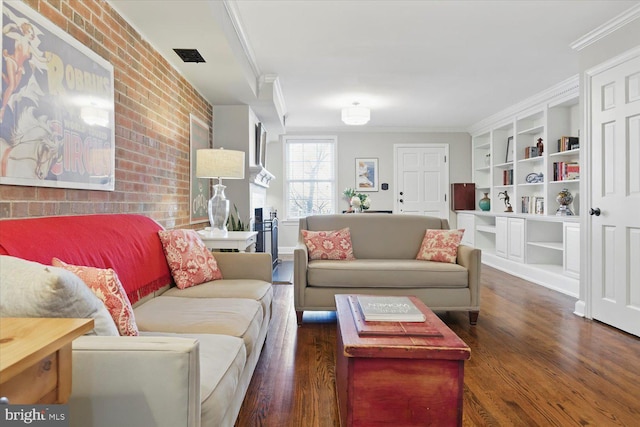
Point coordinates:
pixel 510 238
pixel 539 248
pixel 467 222
pixel 571 250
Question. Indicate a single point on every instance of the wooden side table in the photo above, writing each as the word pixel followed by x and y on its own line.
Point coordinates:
pixel 35 358
pixel 411 375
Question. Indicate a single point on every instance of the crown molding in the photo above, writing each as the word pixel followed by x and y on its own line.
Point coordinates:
pixel 374 129
pixel 269 88
pixel 233 13
pixel 607 28
pixel 566 89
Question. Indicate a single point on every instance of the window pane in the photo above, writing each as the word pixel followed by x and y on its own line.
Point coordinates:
pixel 310 177
pixel 310 198
pixel 310 160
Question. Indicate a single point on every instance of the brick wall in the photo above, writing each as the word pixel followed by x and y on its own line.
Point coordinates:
pixel 152 106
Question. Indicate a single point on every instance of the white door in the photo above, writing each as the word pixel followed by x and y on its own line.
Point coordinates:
pixel 615 191
pixel 422 177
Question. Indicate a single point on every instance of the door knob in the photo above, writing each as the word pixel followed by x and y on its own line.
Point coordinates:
pixel 595 211
pixel 401 200
pixel 402 193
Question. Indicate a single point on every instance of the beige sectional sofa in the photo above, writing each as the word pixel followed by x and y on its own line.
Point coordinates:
pixel 385 247
pixel 198 347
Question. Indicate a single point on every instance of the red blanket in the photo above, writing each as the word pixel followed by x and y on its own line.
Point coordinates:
pixel 125 242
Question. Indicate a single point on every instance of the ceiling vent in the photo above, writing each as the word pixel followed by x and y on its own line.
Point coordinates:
pixel 189 55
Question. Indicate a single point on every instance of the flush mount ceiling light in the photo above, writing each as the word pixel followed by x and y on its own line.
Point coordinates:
pixel 355 115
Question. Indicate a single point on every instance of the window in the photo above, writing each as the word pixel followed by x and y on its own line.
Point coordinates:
pixel 310 176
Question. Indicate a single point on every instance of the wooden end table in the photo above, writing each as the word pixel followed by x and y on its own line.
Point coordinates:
pixel 400 376
pixel 35 358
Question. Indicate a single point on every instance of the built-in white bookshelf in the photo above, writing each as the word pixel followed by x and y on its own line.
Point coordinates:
pixel 530 241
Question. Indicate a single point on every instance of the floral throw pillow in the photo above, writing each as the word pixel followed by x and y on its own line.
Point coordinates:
pixel 190 262
pixel 106 285
pixel 335 244
pixel 440 245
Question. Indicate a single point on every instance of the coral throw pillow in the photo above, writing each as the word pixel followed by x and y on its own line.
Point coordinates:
pixel 106 285
pixel 190 262
pixel 329 244
pixel 440 245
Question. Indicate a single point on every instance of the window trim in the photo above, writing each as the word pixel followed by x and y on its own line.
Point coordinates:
pixel 285 141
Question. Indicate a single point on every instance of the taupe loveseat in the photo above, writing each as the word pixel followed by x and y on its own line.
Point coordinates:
pixel 385 247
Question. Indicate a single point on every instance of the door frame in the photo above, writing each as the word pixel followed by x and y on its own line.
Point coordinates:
pixel 584 305
pixel 396 208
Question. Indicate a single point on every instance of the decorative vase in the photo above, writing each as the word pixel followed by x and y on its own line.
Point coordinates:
pixel 485 202
pixel 564 198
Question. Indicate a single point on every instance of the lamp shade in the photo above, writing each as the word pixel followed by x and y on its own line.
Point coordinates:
pixel 355 115
pixel 219 163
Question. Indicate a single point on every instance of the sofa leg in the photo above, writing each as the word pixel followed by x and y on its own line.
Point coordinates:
pixel 299 317
pixel 473 317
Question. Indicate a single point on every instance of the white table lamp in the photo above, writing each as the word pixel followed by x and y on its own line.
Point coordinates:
pixel 219 163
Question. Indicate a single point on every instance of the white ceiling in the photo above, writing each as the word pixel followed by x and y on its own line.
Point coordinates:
pixel 419 65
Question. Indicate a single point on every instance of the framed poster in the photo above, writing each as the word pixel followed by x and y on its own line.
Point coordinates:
pixel 200 188
pixel 509 152
pixel 366 174
pixel 57 111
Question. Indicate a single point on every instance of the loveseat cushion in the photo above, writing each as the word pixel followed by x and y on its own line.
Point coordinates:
pixel 440 245
pixel 227 316
pixel 222 361
pixel 332 244
pixel 258 290
pixel 386 273
pixel 31 289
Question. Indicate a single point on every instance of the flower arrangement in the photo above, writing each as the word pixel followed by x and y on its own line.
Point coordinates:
pixel 357 201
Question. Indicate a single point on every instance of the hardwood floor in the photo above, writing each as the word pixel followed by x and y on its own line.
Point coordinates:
pixel 533 363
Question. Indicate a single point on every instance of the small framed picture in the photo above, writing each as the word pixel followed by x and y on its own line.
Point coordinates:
pixel 509 153
pixel 367 174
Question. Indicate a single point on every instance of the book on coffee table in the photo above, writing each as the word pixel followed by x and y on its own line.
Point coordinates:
pixel 389 309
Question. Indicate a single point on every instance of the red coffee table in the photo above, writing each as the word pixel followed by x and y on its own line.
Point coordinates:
pixel 396 373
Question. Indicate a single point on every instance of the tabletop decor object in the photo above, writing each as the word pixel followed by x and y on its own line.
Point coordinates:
pixel 219 163
pixel 564 198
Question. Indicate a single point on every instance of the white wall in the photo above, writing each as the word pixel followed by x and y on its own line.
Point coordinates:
pixel 365 144
pixel 234 129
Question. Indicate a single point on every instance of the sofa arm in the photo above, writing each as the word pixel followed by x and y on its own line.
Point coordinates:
pixel 135 381
pixel 245 265
pixel 300 262
pixel 471 259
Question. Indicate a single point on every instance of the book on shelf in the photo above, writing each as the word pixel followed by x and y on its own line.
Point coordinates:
pixel 539 205
pixel 566 171
pixel 530 152
pixel 572 170
pixel 567 143
pixel 389 309
pixel 532 204
pixel 507 177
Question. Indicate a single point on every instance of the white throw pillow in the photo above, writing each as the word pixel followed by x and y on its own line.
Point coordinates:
pixel 30 289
